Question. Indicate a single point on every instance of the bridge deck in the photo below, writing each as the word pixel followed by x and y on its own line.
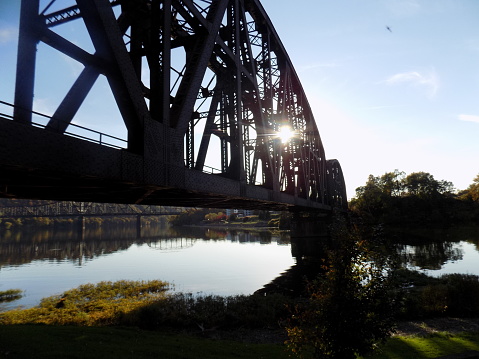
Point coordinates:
pixel 59 167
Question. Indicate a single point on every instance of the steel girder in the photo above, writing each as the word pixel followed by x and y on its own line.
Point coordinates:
pixel 217 71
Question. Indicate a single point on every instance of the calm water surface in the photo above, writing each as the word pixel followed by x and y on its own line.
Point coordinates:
pixel 43 263
pixel 209 261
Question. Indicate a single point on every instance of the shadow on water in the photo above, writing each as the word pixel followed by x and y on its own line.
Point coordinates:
pixel 425 248
pixel 309 254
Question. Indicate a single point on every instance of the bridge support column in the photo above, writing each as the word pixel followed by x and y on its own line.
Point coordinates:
pixel 138 226
pixel 309 234
pixel 310 224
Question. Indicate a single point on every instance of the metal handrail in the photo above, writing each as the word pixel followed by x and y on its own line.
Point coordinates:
pixel 101 135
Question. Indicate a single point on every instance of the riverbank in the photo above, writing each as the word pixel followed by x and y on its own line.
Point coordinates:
pixel 244 226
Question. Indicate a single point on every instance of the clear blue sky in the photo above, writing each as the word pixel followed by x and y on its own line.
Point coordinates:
pixel 404 99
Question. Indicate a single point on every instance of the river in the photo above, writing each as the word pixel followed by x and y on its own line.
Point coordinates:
pixel 44 262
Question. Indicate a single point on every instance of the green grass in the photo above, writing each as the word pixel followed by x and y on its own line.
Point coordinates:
pixel 42 341
pixel 46 341
pixel 433 346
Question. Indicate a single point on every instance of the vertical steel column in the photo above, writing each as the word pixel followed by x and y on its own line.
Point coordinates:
pixel 238 94
pixel 26 58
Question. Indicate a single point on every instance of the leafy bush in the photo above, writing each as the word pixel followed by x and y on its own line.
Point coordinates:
pixel 351 306
pixel 186 311
pixel 448 295
pixel 453 295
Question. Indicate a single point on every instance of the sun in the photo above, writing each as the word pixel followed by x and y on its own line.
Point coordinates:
pixel 285 134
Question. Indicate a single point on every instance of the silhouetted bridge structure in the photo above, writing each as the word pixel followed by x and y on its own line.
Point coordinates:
pixel 85 209
pixel 205 93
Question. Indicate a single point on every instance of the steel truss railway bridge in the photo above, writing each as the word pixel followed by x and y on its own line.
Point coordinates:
pixel 81 209
pixel 204 90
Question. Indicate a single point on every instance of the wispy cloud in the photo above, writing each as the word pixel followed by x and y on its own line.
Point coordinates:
pixel 426 80
pixel 7 34
pixel 469 118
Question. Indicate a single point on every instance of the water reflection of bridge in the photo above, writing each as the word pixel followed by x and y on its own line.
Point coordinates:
pixel 21 246
pixel 172 244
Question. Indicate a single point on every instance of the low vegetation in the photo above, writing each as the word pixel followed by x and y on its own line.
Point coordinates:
pixel 149 305
pixel 105 303
pixel 10 295
pixel 450 295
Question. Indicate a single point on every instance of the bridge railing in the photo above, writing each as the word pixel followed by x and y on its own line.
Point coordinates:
pixel 74 130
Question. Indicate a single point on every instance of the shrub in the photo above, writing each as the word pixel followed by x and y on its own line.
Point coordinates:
pixel 454 295
pixel 186 311
pixel 350 307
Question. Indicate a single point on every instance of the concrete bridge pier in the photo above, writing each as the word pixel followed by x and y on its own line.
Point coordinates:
pixel 310 224
pixel 138 226
pixel 310 234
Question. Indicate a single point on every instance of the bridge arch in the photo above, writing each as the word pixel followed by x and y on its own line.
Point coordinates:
pixel 204 89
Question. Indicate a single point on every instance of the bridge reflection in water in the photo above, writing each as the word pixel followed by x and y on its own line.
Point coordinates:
pixel 218 261
pixel 44 262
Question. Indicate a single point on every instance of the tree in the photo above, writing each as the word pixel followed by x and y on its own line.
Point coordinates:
pixel 423 184
pixel 472 191
pixel 391 183
pixel 351 306
pixel 394 198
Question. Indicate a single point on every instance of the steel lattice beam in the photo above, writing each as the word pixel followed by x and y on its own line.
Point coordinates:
pixel 234 83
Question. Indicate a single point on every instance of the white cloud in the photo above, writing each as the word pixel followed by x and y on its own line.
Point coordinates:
pixel 7 34
pixel 427 80
pixel 469 118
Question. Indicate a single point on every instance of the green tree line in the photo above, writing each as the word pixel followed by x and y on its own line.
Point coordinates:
pixel 418 197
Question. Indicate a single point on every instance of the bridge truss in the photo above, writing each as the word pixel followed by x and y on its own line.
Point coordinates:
pixel 66 209
pixel 179 68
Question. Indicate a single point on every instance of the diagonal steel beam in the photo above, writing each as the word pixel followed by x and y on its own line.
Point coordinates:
pixel 107 40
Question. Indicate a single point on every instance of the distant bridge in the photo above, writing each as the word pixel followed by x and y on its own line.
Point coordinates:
pixel 67 209
pixel 205 90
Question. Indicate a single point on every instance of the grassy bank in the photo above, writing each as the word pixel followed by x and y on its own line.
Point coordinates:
pixel 128 319
pixel 432 346
pixel 42 341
